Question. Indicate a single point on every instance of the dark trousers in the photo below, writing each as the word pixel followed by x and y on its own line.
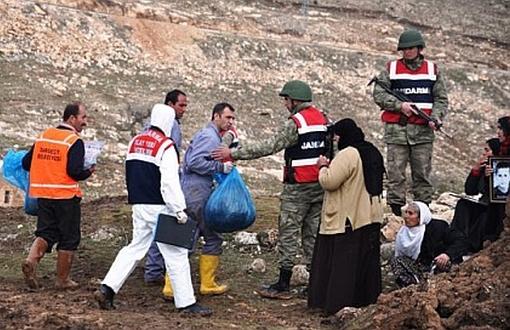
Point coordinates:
pixel 470 218
pixel 58 222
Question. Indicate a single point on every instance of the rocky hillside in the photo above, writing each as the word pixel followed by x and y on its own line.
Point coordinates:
pixel 120 57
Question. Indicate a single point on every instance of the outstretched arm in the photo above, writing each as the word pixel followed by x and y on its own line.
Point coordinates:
pixel 285 137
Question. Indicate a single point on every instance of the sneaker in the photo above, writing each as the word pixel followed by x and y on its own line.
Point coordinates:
pixel 196 309
pixel 104 297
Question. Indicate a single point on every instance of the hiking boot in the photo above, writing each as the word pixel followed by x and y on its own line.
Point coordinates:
pixel 280 289
pixel 104 297
pixel 196 309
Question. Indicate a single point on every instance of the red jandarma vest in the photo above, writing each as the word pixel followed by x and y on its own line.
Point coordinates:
pixel 415 84
pixel 301 159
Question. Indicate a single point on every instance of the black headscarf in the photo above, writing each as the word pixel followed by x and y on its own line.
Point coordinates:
pixel 504 147
pixel 494 145
pixel 373 164
pixel 504 122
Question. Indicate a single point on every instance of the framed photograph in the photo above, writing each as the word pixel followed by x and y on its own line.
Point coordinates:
pixel 500 179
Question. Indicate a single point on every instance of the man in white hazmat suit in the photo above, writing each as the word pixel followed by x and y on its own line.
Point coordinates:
pixel 153 188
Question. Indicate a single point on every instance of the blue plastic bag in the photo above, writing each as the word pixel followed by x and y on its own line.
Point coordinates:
pixel 230 206
pixel 30 205
pixel 14 174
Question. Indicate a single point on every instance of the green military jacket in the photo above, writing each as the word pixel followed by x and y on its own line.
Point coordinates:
pixel 410 134
pixel 286 136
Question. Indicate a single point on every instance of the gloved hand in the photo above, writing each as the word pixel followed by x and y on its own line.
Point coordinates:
pixel 227 167
pixel 182 217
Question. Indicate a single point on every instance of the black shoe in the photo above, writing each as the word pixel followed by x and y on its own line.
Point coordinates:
pixel 396 209
pixel 104 297
pixel 196 309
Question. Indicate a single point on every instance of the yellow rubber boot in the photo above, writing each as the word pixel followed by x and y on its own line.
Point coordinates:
pixel 208 267
pixel 168 293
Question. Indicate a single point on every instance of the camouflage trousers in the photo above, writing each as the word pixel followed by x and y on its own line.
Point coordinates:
pixel 419 157
pixel 298 221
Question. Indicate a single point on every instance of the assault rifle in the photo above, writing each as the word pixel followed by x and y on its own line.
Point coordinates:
pixel 330 145
pixel 417 111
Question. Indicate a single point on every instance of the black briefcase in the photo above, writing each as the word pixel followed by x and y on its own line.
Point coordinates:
pixel 169 231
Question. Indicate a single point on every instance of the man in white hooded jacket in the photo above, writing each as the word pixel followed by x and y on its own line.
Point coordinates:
pixel 153 188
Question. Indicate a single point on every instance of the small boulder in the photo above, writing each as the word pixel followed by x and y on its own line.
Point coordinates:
pixel 246 238
pixel 300 275
pixel 258 266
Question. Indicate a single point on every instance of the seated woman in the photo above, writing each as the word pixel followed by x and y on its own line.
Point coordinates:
pixel 471 216
pixel 424 244
pixel 346 268
pixel 484 220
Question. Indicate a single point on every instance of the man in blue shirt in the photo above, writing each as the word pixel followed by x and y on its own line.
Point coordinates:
pixel 197 182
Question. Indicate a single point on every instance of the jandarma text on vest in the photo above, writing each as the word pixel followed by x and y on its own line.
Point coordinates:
pixel 313 145
pixel 414 90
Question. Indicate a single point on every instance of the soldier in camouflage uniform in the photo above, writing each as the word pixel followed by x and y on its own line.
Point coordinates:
pixel 303 136
pixel 409 138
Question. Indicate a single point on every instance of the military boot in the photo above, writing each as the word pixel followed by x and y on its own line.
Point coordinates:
pixel 29 266
pixel 280 289
pixel 64 263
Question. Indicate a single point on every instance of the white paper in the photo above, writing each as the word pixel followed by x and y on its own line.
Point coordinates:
pixel 92 151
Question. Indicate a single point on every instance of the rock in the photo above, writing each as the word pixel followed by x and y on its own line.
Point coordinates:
pixel 347 314
pixel 387 251
pixel 102 234
pixel 447 199
pixel 441 211
pixel 390 230
pixel 268 238
pixel 300 275
pixel 246 238
pixel 258 266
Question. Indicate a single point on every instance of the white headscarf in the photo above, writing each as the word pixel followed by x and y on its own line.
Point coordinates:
pixel 162 116
pixel 409 239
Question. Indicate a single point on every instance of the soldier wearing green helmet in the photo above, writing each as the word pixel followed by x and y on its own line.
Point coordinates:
pixel 409 138
pixel 297 90
pixel 410 39
pixel 303 137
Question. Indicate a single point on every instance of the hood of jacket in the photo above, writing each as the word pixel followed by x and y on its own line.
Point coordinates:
pixel 162 117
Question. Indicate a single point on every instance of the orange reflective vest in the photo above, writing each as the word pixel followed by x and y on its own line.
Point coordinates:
pixel 48 170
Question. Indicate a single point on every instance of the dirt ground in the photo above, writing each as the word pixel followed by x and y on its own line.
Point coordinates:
pixel 106 227
pixel 473 296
